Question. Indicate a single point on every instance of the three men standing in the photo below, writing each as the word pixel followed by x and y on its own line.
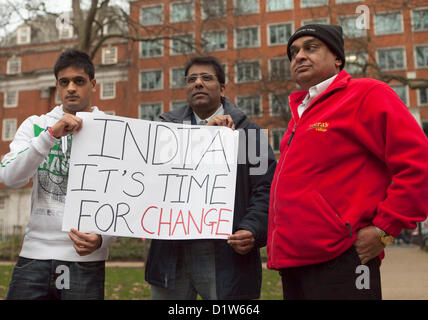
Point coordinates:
pixel 353 173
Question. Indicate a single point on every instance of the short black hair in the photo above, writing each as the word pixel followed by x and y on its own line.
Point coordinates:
pixel 77 59
pixel 207 60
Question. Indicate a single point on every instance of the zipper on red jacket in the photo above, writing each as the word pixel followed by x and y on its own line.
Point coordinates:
pixel 276 184
pixel 349 227
pixel 292 134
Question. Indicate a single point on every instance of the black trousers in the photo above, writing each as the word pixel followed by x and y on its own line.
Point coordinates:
pixel 342 278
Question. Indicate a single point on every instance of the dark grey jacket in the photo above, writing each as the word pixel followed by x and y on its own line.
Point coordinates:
pixel 237 276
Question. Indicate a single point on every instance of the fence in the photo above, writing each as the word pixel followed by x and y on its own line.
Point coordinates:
pixel 10 242
pixel 124 249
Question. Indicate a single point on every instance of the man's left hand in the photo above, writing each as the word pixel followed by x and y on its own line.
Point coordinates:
pixel 85 243
pixel 368 244
pixel 242 241
pixel 223 120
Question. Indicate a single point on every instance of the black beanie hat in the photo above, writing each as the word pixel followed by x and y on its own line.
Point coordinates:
pixel 331 35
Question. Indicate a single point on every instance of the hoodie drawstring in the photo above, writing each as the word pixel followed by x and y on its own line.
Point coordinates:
pixel 64 144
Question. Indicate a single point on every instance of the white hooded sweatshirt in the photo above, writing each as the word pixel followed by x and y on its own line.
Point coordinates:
pixel 35 154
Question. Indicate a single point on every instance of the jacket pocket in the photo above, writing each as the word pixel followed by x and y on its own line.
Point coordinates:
pixel 305 229
pixel 325 206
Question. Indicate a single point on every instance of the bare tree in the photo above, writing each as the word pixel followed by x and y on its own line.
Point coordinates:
pixel 89 24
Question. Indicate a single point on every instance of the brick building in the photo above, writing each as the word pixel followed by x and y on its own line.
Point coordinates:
pixel 387 40
pixel 249 38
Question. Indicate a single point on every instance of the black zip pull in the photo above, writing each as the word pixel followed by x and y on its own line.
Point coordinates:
pixel 292 135
pixel 349 227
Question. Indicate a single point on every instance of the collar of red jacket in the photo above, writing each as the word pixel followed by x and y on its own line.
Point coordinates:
pixel 297 97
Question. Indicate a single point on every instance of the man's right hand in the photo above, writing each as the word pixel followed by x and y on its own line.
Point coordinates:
pixel 67 124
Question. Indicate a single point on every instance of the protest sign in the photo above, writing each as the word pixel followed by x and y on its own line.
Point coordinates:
pixel 145 179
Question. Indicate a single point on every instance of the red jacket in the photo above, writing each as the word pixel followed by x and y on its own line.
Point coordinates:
pixel 335 171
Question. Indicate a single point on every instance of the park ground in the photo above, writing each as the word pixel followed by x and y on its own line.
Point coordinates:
pixel 404 274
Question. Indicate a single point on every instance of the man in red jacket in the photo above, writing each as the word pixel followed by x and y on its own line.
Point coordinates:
pixel 353 173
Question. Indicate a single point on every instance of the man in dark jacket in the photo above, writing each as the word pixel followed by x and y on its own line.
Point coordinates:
pixel 218 269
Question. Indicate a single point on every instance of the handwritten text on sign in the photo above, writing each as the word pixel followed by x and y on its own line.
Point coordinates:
pixel 145 179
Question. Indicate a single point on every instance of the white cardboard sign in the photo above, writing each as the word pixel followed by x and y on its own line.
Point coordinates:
pixel 145 179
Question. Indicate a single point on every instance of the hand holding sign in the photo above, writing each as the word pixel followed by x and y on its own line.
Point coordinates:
pixel 85 243
pixel 242 241
pixel 144 179
pixel 67 124
pixel 222 120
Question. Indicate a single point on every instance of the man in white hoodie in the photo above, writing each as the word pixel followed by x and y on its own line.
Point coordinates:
pixel 53 264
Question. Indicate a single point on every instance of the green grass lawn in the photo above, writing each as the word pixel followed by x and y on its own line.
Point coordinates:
pixel 129 284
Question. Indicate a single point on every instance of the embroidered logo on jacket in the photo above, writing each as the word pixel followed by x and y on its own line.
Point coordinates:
pixel 319 126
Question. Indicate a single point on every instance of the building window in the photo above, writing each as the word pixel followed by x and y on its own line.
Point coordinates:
pixel 421 56
pixel 280 33
pixel 356 62
pixel 278 104
pixel 177 78
pixel 23 35
pixel 387 23
pixel 275 138
pixel 247 37
pixel 349 25
pixel 13 65
pixel 224 66
pixel 250 105
pixel 151 80
pixel 11 99
pixel 105 28
pixel 391 59
pixel 214 41
pixel 150 111
pixel 425 127
pixel 182 11
pixel 151 48
pixel 420 19
pixel 182 44
pixel 151 15
pixel 316 21
pixel 423 96
pixel 9 129
pixel 247 71
pixel 348 1
pixel 401 91
pixel 313 3
pixel 109 55
pixel 108 90
pixel 246 7
pixel 279 5
pixel 213 9
pixel 279 69
pixel 65 31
